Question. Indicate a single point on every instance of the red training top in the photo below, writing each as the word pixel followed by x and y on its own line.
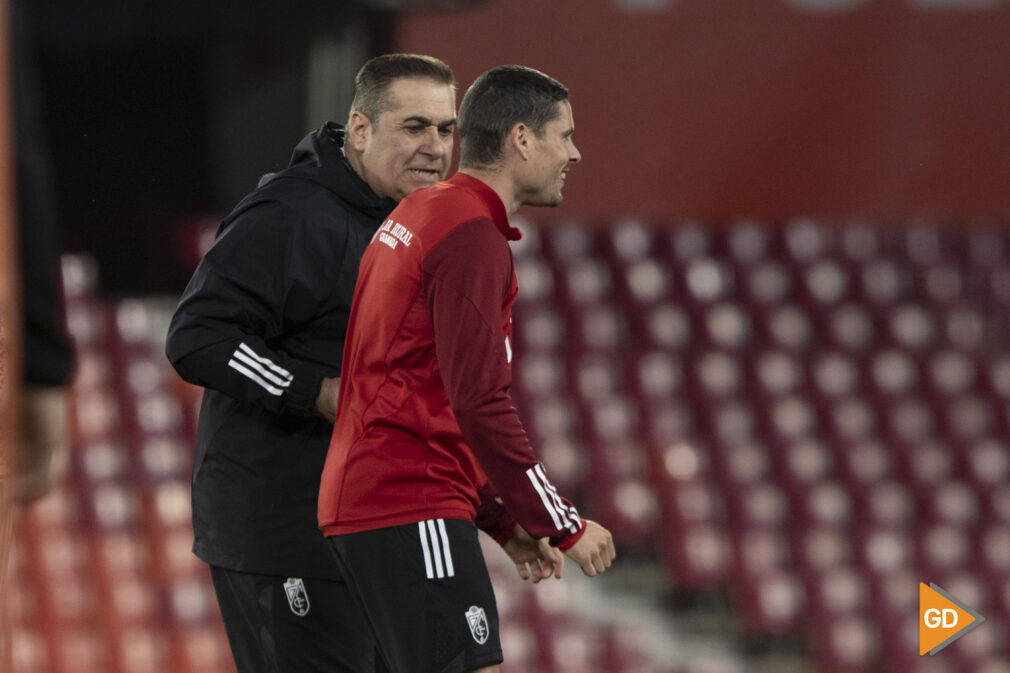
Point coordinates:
pixel 425 416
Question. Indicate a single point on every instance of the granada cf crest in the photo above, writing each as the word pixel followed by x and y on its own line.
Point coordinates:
pixel 298 597
pixel 478 624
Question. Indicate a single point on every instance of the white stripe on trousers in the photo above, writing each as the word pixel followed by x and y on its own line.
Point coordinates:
pixel 435 547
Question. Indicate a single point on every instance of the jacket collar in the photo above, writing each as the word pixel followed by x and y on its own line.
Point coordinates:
pixel 319 157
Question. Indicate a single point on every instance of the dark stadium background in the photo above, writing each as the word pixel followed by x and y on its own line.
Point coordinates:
pixel 853 152
pixel 708 109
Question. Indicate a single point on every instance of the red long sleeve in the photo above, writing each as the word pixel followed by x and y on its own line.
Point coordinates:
pixel 468 279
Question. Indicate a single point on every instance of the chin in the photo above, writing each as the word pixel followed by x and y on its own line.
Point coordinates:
pixel 550 200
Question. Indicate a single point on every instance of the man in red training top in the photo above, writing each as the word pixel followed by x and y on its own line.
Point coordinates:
pixel 427 446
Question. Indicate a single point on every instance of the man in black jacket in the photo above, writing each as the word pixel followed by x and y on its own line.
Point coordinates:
pixel 261 327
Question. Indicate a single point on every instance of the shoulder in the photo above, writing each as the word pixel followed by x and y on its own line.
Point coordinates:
pixel 269 231
pixel 470 243
pixel 304 207
pixel 259 219
pixel 452 201
pixel 435 212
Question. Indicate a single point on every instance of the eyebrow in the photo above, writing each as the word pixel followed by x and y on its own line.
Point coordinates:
pixel 421 119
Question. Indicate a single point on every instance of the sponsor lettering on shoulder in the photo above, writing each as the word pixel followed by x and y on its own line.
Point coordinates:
pixel 392 233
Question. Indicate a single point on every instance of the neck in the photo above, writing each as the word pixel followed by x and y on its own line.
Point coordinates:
pixel 499 182
pixel 354 159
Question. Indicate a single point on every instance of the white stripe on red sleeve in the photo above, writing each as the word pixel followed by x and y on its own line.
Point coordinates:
pixel 573 527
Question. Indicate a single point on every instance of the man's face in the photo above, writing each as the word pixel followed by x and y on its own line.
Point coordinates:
pixel 410 145
pixel 551 157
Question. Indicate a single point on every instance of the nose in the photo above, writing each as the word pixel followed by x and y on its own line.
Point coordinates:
pixel 574 156
pixel 436 145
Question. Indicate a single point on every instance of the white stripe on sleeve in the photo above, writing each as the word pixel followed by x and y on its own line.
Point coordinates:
pixel 548 505
pixel 280 371
pixel 255 378
pixel 558 502
pixel 576 518
pixel 265 373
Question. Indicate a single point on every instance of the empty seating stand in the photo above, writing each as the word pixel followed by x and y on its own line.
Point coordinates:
pixel 811 417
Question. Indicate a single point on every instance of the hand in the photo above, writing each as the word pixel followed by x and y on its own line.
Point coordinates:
pixel 326 402
pixel 594 552
pixel 44 448
pixel 535 559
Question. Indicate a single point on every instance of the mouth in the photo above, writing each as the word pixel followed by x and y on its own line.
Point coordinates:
pixel 426 173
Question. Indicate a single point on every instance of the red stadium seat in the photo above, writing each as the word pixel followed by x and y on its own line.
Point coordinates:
pixel 535 278
pixel 848 642
pixel 821 548
pixel 773 602
pixel 647 281
pixel 837 591
pixel 669 327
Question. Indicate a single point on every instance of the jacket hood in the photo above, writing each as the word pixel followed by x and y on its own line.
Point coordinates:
pixel 320 159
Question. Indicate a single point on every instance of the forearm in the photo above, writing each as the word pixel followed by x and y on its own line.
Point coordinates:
pixel 246 369
pixel 496 436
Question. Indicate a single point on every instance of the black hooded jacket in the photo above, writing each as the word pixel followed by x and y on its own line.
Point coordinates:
pixel 261 322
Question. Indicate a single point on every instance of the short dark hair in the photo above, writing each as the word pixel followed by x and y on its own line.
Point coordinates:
pixel 372 83
pixel 498 100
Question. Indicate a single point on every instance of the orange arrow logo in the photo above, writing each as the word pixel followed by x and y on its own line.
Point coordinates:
pixel 942 619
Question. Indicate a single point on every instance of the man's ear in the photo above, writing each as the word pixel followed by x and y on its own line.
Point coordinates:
pixel 358 129
pixel 519 139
